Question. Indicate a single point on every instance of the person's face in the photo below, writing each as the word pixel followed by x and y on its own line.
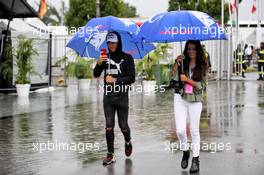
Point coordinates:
pixel 262 45
pixel 192 51
pixel 112 46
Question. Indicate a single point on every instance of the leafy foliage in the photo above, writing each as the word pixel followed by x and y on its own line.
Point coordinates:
pixel 24 55
pixel 130 11
pixel 211 7
pixel 148 66
pixel 6 66
pixel 81 68
pixel 81 11
pixel 52 16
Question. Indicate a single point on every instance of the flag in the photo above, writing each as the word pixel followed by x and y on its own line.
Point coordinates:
pixel 235 5
pixel 230 9
pixel 232 6
pixel 42 8
pixel 254 7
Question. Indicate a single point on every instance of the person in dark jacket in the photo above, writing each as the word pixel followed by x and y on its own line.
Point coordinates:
pixel 119 73
pixel 260 56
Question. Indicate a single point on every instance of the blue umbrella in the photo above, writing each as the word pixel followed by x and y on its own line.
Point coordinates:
pixel 89 41
pixel 180 26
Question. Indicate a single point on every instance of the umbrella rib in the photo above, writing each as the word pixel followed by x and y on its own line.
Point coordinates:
pixel 136 46
pixel 84 49
pixel 86 45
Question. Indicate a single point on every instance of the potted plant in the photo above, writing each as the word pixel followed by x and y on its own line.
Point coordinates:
pixel 149 68
pixel 81 69
pixel 6 67
pixel 146 71
pixel 23 58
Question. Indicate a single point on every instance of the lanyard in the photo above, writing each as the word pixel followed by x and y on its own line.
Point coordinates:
pixel 190 72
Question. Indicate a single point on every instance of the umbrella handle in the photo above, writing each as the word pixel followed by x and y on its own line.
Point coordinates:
pixel 109 62
pixel 182 67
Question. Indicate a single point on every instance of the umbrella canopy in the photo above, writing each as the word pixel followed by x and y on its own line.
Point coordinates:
pixel 89 41
pixel 180 26
pixel 21 9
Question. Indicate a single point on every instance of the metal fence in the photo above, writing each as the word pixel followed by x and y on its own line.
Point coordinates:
pixel 221 55
pixel 41 62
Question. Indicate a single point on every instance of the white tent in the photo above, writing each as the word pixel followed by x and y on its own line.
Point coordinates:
pixel 18 27
pixel 37 24
pixel 32 27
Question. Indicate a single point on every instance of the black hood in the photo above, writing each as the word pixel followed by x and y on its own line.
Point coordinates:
pixel 119 45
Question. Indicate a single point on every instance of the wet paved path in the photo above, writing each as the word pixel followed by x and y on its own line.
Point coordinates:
pixel 232 132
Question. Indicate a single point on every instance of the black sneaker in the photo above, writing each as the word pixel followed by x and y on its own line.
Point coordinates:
pixel 185 159
pixel 260 78
pixel 128 148
pixel 195 165
pixel 110 159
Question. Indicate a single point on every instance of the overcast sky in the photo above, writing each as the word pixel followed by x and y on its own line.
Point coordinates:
pixel 148 8
pixel 145 8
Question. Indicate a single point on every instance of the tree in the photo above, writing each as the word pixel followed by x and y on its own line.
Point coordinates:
pixel 211 7
pixel 130 11
pixel 52 16
pixel 112 7
pixel 81 11
pixel 214 10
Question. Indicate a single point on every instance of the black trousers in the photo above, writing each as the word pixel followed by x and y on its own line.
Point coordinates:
pixel 261 69
pixel 113 104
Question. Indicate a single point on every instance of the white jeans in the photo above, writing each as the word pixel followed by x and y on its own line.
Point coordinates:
pixel 182 109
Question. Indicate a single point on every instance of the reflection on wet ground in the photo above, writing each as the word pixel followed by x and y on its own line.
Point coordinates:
pixel 233 112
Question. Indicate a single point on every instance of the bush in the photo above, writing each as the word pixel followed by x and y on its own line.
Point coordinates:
pixel 81 68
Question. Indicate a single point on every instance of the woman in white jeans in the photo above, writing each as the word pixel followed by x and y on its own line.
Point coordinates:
pixel 189 86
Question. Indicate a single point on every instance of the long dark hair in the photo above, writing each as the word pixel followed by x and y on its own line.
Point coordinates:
pixel 262 45
pixel 201 65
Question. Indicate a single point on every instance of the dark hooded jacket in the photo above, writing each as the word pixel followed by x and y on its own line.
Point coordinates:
pixel 121 67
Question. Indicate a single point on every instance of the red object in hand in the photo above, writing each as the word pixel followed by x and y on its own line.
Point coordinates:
pixel 103 53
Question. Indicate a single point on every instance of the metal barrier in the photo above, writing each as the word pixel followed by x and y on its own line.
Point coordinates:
pixel 221 55
pixel 41 61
